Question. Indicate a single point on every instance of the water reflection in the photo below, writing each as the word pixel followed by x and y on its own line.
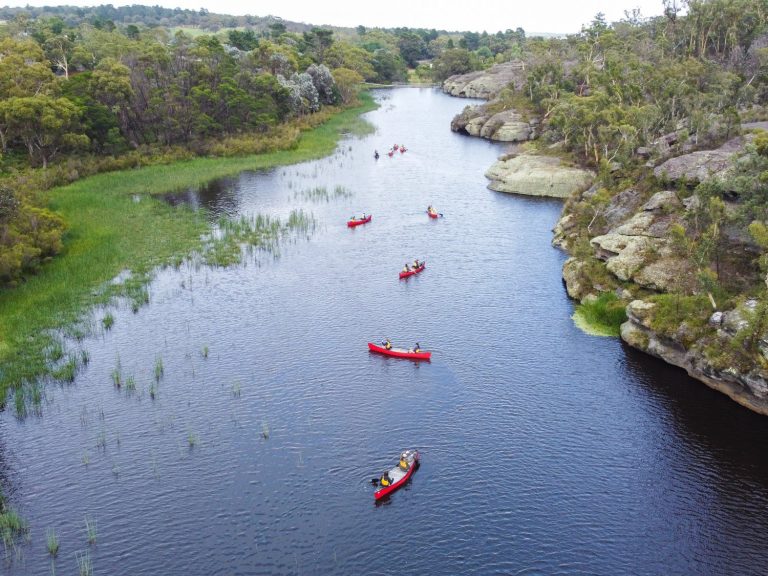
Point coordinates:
pixel 219 197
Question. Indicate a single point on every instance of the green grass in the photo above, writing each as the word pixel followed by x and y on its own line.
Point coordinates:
pixel 52 541
pixel 90 529
pixel 11 526
pixel 84 564
pixel 602 316
pixel 115 223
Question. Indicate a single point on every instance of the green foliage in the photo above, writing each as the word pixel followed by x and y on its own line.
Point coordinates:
pixel 672 310
pixel 454 61
pixel 603 315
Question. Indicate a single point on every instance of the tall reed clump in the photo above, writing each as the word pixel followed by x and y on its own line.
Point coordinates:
pixel 12 525
pixel 84 564
pixel 159 369
pixel 259 231
pixel 90 529
pixel 51 541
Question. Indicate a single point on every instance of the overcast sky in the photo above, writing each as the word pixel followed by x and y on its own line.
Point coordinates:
pixel 559 16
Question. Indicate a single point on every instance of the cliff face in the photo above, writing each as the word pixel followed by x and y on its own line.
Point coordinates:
pixel 486 84
pixel 634 253
pixel 636 243
pixel 747 387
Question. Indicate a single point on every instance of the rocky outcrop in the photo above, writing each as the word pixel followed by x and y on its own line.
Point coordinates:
pixel 639 251
pixel 749 389
pixel 696 167
pixel 486 84
pixel 537 176
pixel 504 126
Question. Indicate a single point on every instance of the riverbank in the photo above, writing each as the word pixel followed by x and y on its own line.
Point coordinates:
pixel 116 224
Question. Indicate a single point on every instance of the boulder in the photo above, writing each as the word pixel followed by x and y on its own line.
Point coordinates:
pixel 507 126
pixel 538 176
pixel 486 84
pixel 573 279
pixel 698 166
pixel 504 126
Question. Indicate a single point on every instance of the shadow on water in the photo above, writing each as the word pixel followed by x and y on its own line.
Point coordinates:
pixel 219 197
pixel 701 418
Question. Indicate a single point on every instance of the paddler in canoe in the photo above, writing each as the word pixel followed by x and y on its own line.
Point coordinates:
pixel 406 268
pixel 385 479
pixel 416 264
pixel 387 344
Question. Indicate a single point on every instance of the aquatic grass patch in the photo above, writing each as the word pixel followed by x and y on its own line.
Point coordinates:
pixel 263 232
pixel 51 541
pixel 66 372
pixel 19 402
pixel 602 316
pixel 116 223
pixel 90 529
pixel 84 563
pixel 321 194
pixel 159 369
pixel 12 525
pixel 108 321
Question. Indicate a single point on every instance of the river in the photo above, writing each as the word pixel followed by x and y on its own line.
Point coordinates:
pixel 544 450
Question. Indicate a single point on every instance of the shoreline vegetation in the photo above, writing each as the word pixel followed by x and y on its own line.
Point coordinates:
pixel 119 229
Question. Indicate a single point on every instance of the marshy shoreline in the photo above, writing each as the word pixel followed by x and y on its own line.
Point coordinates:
pixel 119 231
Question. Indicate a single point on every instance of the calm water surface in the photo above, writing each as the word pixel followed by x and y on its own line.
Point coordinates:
pixel 544 450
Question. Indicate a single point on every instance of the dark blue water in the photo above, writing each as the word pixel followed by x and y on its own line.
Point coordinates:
pixel 544 450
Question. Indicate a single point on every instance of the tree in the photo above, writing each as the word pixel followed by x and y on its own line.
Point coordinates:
pixel 324 83
pixel 412 48
pixel 348 83
pixel 45 125
pixel 389 67
pixel 244 40
pixel 318 41
pixel 454 61
pixel 345 55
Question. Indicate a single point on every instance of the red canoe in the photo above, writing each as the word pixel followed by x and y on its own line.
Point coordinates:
pixel 413 271
pixel 399 352
pixel 353 223
pixel 399 475
pixel 432 214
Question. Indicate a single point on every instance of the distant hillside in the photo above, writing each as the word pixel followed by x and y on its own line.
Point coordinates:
pixel 150 16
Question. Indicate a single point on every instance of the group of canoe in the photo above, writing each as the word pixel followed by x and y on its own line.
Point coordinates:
pixel 398 475
pixel 397 147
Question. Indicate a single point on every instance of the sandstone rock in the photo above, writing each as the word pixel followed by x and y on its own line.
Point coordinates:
pixel 537 176
pixel 662 275
pixel 562 230
pixel 666 200
pixel 572 277
pixel 749 389
pixel 639 310
pixel 638 225
pixel 506 126
pixel 698 166
pixel 487 83
pixel 475 126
